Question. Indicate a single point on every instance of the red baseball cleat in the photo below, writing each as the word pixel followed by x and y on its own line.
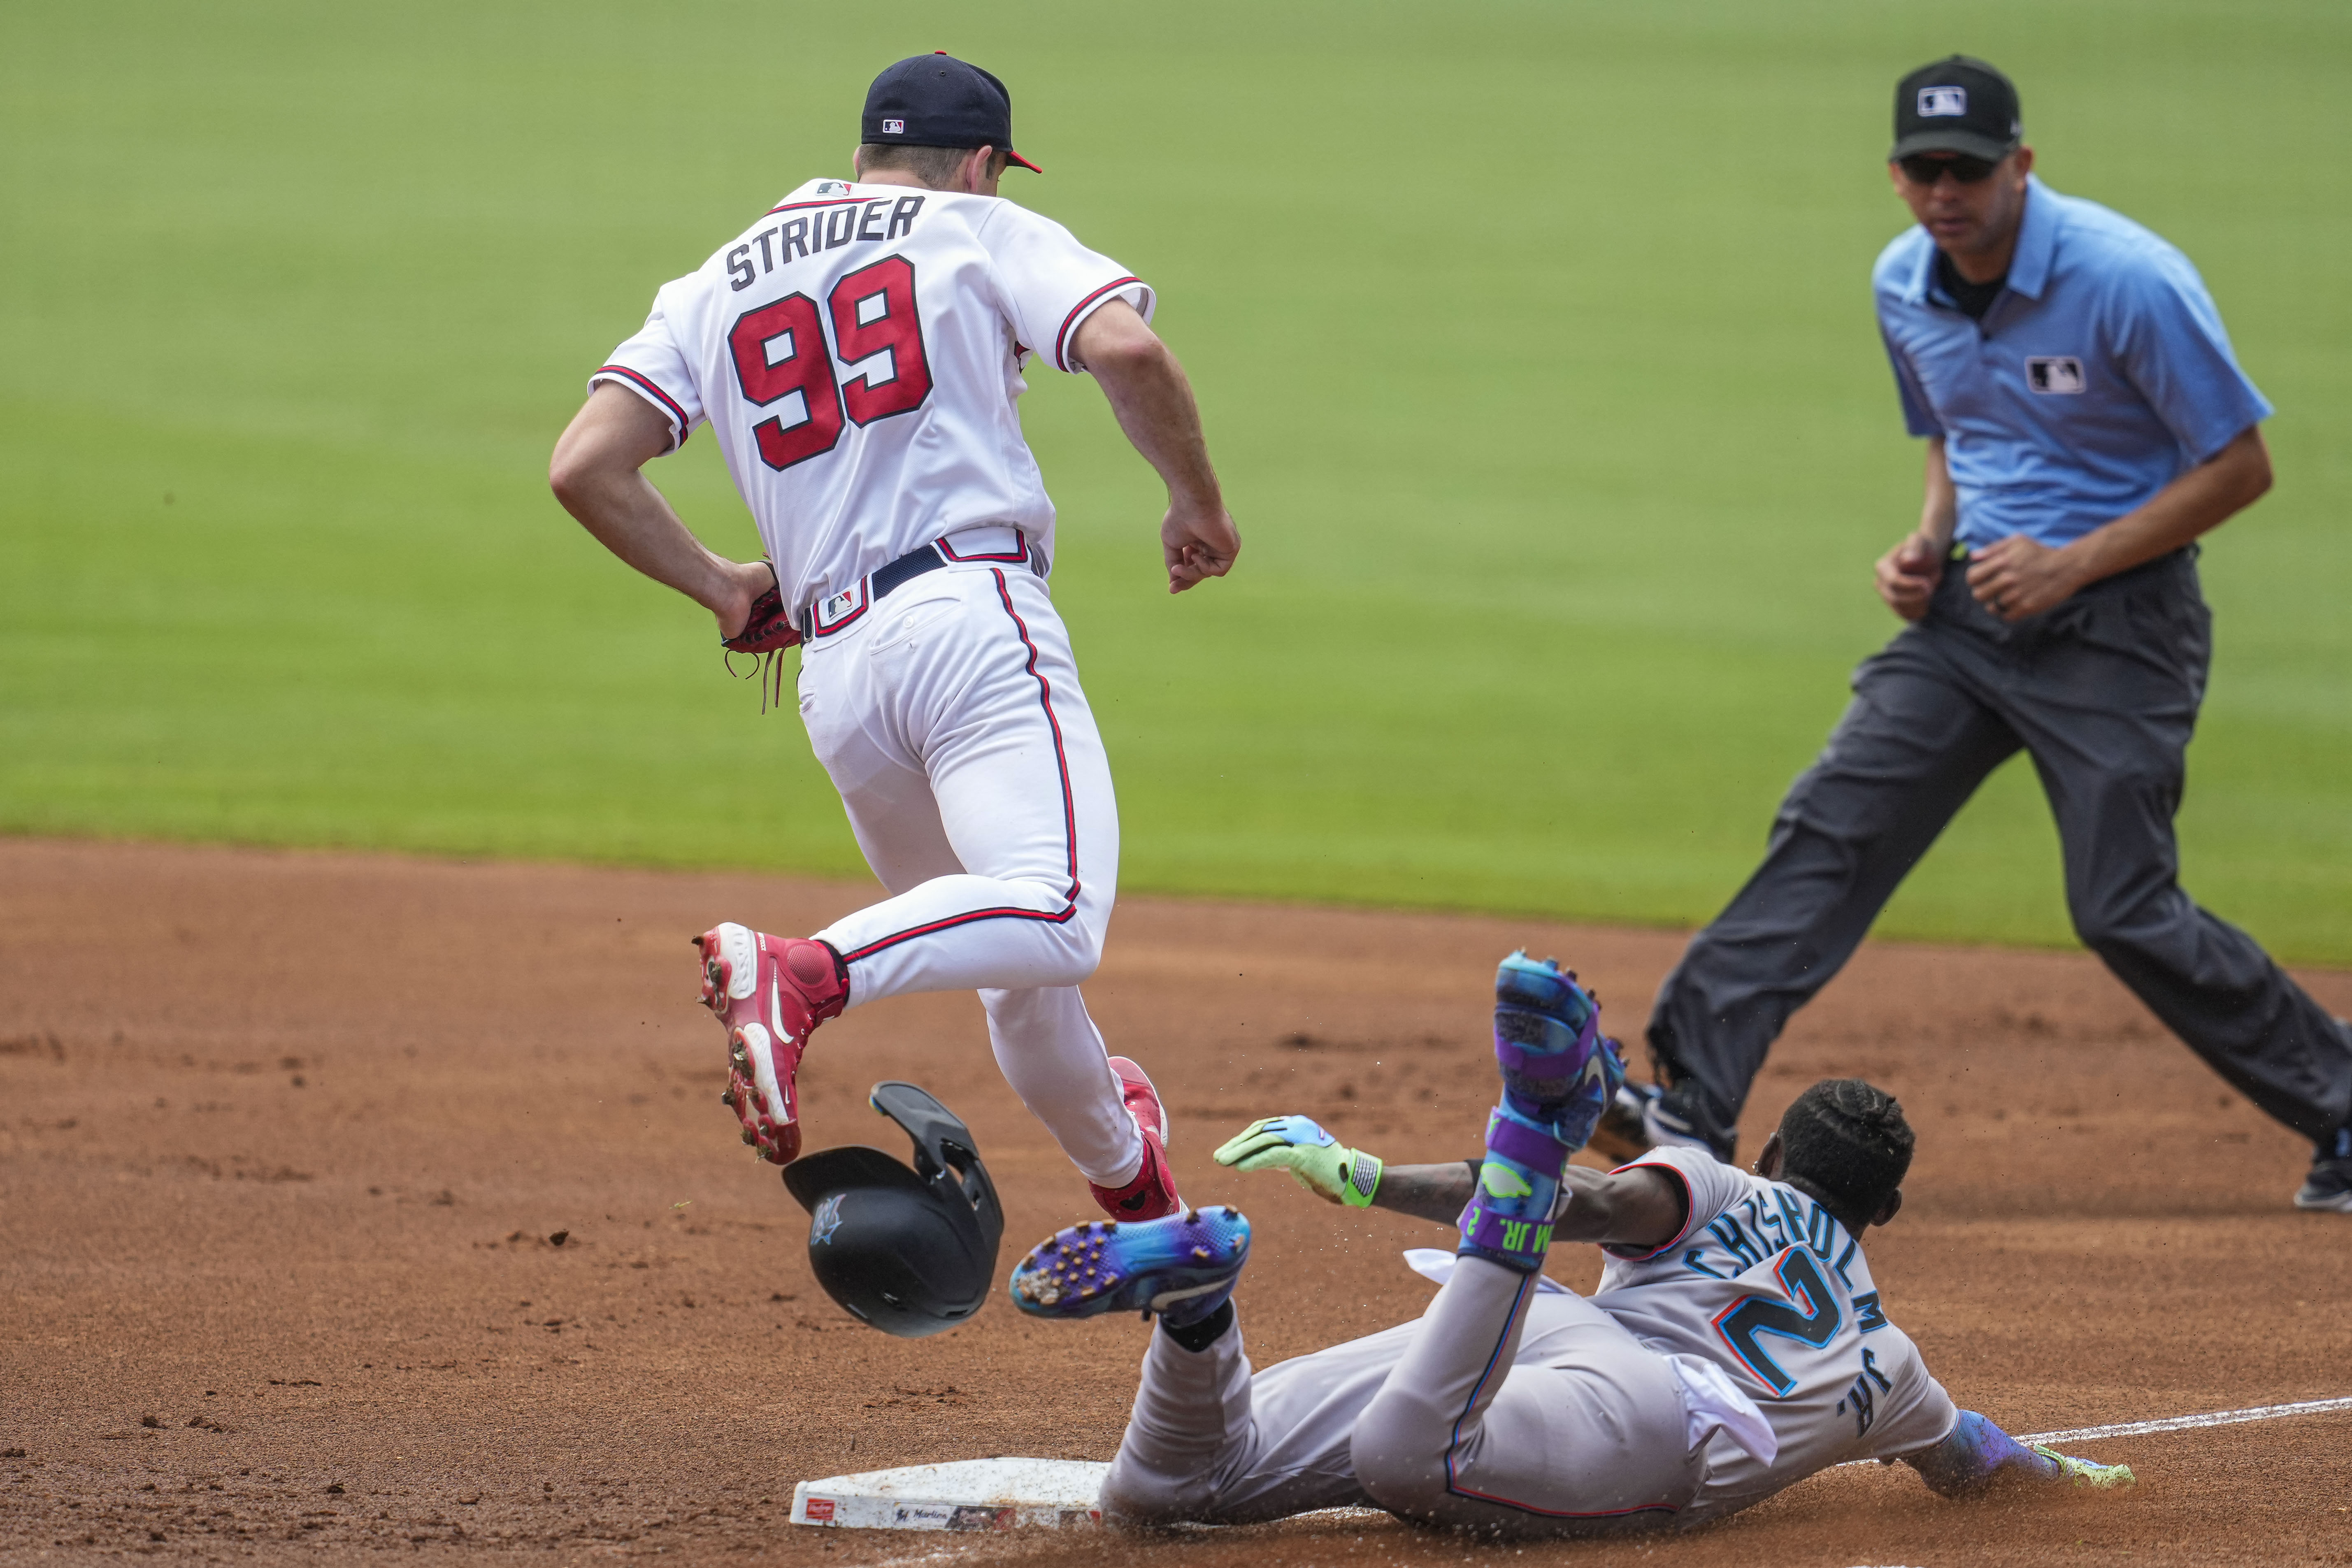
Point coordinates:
pixel 771 992
pixel 1153 1194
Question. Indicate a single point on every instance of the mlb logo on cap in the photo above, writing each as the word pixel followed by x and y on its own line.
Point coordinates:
pixel 937 100
pixel 1956 105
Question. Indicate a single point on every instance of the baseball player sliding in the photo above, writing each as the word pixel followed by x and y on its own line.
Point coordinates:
pixel 858 352
pixel 1738 1344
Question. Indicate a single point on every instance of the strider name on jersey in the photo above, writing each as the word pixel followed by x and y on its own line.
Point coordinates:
pixel 1768 1284
pixel 858 352
pixel 845 222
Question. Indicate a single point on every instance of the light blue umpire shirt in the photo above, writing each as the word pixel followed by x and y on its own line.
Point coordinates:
pixel 2100 373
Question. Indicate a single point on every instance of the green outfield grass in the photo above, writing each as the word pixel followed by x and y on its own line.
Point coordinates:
pixel 1534 340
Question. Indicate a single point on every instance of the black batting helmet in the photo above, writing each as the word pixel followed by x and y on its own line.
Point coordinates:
pixel 910 1252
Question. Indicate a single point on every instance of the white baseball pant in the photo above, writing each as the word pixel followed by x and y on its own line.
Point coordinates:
pixel 1499 1411
pixel 950 719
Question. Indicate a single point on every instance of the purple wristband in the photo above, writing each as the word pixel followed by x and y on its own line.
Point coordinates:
pixel 1514 1141
pixel 1496 1233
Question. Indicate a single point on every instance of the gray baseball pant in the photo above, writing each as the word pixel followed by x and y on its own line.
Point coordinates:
pixel 2102 692
pixel 1500 1411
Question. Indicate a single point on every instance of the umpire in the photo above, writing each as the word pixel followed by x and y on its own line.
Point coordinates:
pixel 2085 423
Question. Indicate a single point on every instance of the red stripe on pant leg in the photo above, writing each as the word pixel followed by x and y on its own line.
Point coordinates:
pixel 1069 812
pixel 1045 700
pixel 894 938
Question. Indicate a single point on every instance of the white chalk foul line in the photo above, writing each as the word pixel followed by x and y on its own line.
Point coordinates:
pixel 2184 1423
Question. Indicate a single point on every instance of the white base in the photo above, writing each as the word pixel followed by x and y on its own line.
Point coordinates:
pixel 969 1494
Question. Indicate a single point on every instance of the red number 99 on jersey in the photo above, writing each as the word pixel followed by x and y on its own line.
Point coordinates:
pixel 780 349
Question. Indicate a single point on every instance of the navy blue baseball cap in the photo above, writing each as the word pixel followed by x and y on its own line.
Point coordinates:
pixel 937 100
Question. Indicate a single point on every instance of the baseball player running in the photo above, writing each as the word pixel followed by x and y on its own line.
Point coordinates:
pixel 1738 1344
pixel 858 352
pixel 2086 422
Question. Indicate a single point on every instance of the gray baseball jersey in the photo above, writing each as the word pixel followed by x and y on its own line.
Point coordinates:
pixel 1766 1283
pixel 1515 1406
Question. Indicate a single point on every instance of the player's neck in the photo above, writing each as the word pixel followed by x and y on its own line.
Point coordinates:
pixel 1854 1226
pixel 912 182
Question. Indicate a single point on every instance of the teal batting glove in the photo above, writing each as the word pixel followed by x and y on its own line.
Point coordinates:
pixel 1314 1159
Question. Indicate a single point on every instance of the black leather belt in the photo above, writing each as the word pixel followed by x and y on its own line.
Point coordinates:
pixel 2170 561
pixel 845 607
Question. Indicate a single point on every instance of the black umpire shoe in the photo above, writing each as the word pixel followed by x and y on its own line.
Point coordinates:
pixel 1644 1116
pixel 1620 1134
pixel 2329 1185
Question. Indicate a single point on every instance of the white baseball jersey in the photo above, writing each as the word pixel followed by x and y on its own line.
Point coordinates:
pixel 857 351
pixel 1766 1283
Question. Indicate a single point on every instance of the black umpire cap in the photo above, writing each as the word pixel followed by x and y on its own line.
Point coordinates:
pixel 939 101
pixel 1957 105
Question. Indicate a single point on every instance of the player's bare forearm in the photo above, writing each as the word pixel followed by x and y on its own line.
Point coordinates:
pixel 1154 405
pixel 1438 1192
pixel 1152 399
pixel 2018 577
pixel 1640 1207
pixel 1627 1209
pixel 596 473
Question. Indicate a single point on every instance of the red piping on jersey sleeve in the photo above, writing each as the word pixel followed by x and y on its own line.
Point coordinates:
pixel 1690 1213
pixel 647 385
pixel 1062 338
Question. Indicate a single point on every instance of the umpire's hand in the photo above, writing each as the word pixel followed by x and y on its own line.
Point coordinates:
pixel 1908 576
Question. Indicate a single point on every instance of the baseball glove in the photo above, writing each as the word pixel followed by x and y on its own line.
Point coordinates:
pixel 1316 1160
pixel 766 635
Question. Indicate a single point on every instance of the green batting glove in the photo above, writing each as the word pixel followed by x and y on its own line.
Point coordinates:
pixel 2088 1473
pixel 1314 1158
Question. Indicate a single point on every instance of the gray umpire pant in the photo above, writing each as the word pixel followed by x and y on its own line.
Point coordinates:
pixel 1475 1417
pixel 2102 693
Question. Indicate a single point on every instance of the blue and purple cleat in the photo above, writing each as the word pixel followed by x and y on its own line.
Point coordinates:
pixel 1559 1073
pixel 1557 1066
pixel 1182 1268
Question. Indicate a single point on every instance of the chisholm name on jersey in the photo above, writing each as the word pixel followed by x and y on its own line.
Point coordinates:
pixel 822 225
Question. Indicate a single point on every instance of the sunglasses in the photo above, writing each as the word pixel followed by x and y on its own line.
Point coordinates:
pixel 1927 168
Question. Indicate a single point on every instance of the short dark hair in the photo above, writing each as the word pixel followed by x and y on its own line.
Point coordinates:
pixel 1850 1140
pixel 935 166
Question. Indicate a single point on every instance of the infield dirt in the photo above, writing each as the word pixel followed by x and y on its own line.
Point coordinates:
pixel 372 1205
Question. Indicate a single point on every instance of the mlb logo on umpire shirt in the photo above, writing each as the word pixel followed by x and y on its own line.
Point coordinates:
pixel 1941 102
pixel 2054 374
